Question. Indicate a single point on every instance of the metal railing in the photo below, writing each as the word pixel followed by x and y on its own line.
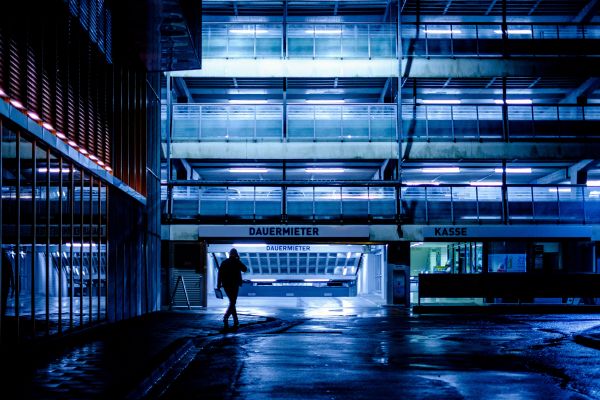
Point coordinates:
pixel 369 40
pixel 378 122
pixel 431 40
pixel 238 40
pixel 448 204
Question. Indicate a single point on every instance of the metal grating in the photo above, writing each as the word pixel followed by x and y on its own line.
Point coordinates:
pixel 290 264
pixel 494 7
pixel 295 8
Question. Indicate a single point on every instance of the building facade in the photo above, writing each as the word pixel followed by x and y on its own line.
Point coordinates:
pixel 459 138
pixel 80 129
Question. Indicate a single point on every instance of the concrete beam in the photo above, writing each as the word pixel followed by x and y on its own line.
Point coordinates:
pixel 583 91
pixel 554 177
pixel 497 67
pixel 382 151
pixel 572 173
pixel 182 89
pixel 384 90
pixel 389 233
pixel 587 12
pixel 386 68
pixel 578 172
pixel 251 68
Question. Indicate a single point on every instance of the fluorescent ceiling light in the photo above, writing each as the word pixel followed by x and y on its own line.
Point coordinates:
pixel 514 170
pixel 595 193
pixel 442 31
pixel 416 244
pixel 324 31
pixel 441 170
pixel 60 135
pixel 248 101
pixel 488 217
pixel 561 190
pixel 262 280
pixel 316 280
pixel 47 126
pixel 324 170
pixel 248 170
pixel 340 101
pixel 250 32
pixel 52 170
pixel 515 101
pixel 593 183
pixel 2 93
pixel 515 31
pixel 418 183
pixel 483 183
pixel 440 101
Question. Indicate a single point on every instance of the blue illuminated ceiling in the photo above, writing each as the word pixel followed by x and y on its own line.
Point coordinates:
pixel 375 90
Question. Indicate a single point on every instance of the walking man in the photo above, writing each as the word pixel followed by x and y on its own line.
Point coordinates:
pixel 230 279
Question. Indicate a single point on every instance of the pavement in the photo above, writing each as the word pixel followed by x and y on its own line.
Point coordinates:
pixel 119 360
pixel 302 348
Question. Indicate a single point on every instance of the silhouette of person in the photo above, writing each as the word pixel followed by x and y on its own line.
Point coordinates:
pixel 8 279
pixel 230 279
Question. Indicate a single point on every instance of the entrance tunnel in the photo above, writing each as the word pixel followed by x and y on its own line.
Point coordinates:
pixel 304 270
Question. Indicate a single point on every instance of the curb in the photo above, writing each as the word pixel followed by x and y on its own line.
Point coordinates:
pixel 182 347
pixel 144 387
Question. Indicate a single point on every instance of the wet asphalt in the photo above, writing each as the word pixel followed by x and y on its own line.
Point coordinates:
pixel 339 349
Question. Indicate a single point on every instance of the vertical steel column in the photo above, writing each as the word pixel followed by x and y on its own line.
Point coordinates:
pixel 90 252
pixel 48 234
pixel 1 231
pixel 504 194
pixel 399 128
pixel 284 193
pixel 71 250
pixel 284 124
pixel 17 275
pixel 33 229
pixel 505 129
pixel 169 126
pixel 99 244
pixel 504 29
pixel 81 213
pixel 284 48
pixel 106 250
pixel 60 241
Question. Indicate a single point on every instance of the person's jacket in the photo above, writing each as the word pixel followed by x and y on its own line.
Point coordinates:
pixel 230 273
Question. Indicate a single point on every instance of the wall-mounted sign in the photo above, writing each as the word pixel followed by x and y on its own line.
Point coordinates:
pixel 510 231
pixel 287 247
pixel 283 231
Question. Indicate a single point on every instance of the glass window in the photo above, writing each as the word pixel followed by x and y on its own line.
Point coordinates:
pixel 9 226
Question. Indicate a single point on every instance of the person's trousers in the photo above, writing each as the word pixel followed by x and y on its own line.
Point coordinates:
pixel 232 294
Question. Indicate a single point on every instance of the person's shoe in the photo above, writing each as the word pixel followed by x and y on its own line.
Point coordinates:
pixel 236 324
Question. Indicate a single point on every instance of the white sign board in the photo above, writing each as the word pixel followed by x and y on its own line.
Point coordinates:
pixel 283 231
pixel 515 231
